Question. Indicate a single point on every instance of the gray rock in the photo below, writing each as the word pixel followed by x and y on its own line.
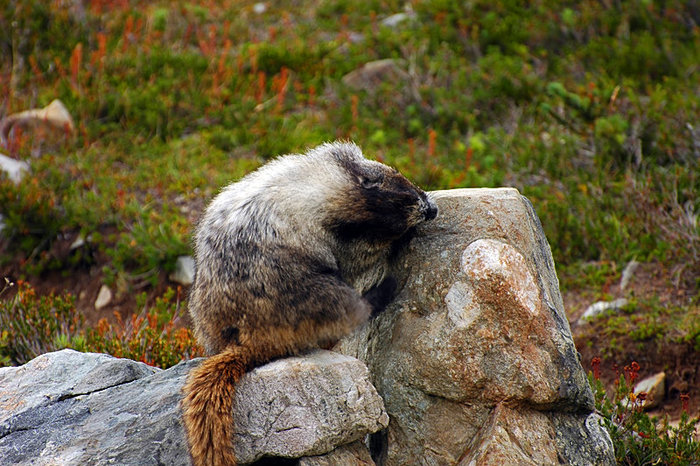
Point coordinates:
pixel 78 242
pixel 15 169
pixel 72 408
pixel 353 454
pixel 627 274
pixel 582 443
pixel 475 358
pixel 602 306
pixel 372 74
pixel 305 406
pixel 184 271
pixel 396 19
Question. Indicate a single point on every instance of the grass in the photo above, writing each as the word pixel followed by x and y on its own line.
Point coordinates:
pixel 591 111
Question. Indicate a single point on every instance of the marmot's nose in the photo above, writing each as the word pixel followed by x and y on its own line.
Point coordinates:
pixel 431 210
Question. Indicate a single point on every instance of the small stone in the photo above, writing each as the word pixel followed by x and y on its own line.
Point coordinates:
pixel 627 274
pixel 104 297
pixel 356 37
pixel 51 122
pixel 394 20
pixel 602 306
pixel 15 169
pixel 184 271
pixel 77 243
pixel 372 74
pixel 398 18
pixel 654 387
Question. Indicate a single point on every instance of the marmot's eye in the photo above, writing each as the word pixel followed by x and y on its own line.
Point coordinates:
pixel 370 182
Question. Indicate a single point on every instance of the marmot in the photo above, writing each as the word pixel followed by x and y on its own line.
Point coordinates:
pixel 292 256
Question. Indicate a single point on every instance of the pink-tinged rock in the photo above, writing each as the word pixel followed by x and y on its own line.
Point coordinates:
pixel 475 358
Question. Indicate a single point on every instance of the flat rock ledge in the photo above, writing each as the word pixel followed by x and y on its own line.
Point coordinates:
pixel 68 407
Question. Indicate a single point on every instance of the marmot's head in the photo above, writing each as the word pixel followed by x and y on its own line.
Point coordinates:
pixel 377 201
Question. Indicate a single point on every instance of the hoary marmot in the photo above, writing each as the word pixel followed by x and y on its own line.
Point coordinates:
pixel 292 256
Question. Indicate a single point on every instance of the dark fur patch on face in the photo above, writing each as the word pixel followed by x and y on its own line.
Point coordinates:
pixel 369 229
pixel 381 205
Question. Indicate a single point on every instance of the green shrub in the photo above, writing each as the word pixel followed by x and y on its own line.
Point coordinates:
pixel 154 336
pixel 32 325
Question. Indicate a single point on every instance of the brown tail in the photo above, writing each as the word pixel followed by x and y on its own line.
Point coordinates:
pixel 207 405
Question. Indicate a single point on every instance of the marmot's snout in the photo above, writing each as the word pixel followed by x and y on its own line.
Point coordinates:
pixel 430 210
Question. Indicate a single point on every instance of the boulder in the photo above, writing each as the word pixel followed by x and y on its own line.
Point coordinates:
pixel 475 358
pixel 305 406
pixel 73 408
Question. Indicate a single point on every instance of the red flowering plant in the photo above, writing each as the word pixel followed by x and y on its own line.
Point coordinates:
pixel 31 325
pixel 639 438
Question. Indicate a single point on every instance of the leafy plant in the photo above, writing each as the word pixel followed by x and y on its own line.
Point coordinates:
pixel 33 325
pixel 155 336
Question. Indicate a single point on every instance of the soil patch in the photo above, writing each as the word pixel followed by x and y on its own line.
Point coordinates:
pixel 679 360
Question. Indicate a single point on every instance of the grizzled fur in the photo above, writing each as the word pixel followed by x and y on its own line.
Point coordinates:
pixel 293 256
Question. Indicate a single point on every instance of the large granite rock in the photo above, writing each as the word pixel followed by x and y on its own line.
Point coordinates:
pixel 475 358
pixel 73 408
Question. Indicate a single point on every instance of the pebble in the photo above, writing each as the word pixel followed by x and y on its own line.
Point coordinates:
pixel 184 271
pixel 104 297
pixel 602 306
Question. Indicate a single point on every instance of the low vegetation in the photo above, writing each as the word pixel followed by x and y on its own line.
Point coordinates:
pixel 590 109
pixel 33 325
pixel 638 438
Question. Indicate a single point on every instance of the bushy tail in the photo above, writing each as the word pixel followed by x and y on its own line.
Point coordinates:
pixel 207 405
